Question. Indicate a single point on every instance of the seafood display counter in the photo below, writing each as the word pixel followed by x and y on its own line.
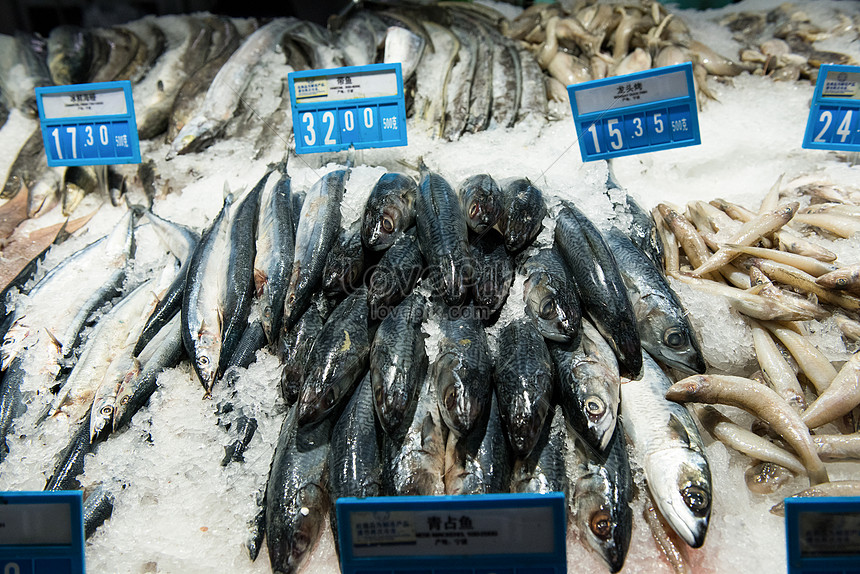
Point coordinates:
pixel 216 344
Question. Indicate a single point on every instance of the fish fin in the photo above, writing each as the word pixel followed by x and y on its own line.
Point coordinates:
pixel 55 340
pixel 677 426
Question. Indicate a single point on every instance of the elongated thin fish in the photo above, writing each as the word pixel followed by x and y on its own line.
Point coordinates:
pixel 601 288
pixel 779 373
pixel 760 400
pixel 11 403
pixel 396 274
pixel 664 329
pixel 389 211
pixel 523 210
pixel 643 229
pixel 588 386
pixel 601 486
pixel 71 460
pixel 398 363
pixel 523 375
pixel 671 452
pixel 839 398
pixel 337 360
pixel 443 237
pixel 551 297
pixel 835 488
pixel 462 371
pixel 319 223
pixel 297 497
pixel 98 508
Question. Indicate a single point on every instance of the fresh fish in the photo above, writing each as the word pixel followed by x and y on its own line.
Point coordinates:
pixel 225 91
pixel 493 272
pixel 533 94
pixel 80 181
pixel 297 497
pixel 524 384
pixel 21 71
pixel 121 48
pixel 11 403
pixel 275 247
pixel 551 297
pixel 481 94
pixel 830 489
pixel 643 230
pixel 481 462
pixel 344 264
pixel 544 469
pixel 243 428
pixel 181 241
pixel 317 42
pixel 151 46
pixel 601 288
pixel 394 277
pixel 253 339
pixel 777 371
pixel 481 201
pixel 839 398
pixel 602 492
pixel 671 452
pixel 523 210
pixel 319 223
pixel 415 458
pixel 389 210
pixel 507 83
pixel 71 460
pixel 295 347
pixel 664 329
pixel 462 370
pixel 70 55
pixel 202 299
pixel 432 76
pixel 398 363
pixel 357 38
pixel 355 457
pixel 588 386
pixel 460 82
pixel 337 360
pixel 843 279
pixel 405 47
pixel 98 508
pixel 442 236
pixel 298 200
pixel 28 166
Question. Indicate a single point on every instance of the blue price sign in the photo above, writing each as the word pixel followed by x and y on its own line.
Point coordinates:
pixel 636 113
pixel 88 124
pixel 359 106
pixel 823 534
pixel 41 532
pixel 834 117
pixel 502 533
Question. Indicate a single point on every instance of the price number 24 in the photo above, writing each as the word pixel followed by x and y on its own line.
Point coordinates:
pixel 843 131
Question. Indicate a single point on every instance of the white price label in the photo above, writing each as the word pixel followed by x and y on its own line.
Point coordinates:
pixel 84 104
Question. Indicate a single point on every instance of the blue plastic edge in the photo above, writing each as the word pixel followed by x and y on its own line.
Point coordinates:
pixel 553 500
pixel 399 100
pixel 689 100
pixel 818 102
pixel 46 124
pixel 794 506
pixel 75 552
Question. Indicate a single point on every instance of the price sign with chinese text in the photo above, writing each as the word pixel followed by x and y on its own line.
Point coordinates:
pixel 358 106
pixel 88 124
pixel 636 113
pixel 833 117
pixel 477 533
pixel 41 532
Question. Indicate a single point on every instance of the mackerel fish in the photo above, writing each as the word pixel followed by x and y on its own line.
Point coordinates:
pixel 389 211
pixel 551 297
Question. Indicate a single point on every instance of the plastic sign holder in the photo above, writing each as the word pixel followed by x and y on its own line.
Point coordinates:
pixel 833 117
pixel 42 532
pixel 355 106
pixel 823 535
pixel 636 113
pixel 474 534
pixel 89 124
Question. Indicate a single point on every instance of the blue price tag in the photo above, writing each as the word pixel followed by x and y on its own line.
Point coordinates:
pixel 524 533
pixel 636 113
pixel 834 117
pixel 88 124
pixel 41 532
pixel 360 106
pixel 823 534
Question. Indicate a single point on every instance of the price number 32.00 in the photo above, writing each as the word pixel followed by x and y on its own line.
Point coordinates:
pixel 329 125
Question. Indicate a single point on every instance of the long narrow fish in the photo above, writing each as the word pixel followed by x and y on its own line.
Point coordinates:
pixel 601 288
pixel 760 401
pixel 11 403
pixel 664 329
pixel 71 460
pixel 814 364
pixel 507 83
pixel 443 237
pixel 337 360
pixel 122 45
pixel 275 248
pixel 839 398
pixel 225 91
pixel 524 384
pixel 779 373
pixel 319 223
pixel 70 55
pixel 462 371
pixel 398 363
pixel 588 386
pixel 389 211
pixel 643 229
pixel 551 297
pixel 460 82
pixel 835 488
pixel 297 497
pixel 671 452
pixel 602 489
pixel 838 447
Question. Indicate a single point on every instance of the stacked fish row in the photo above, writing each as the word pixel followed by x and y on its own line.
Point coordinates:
pixel 772 268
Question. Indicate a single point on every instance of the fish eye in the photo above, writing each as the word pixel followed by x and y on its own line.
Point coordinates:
pixel 674 338
pixel 387 224
pixel 696 498
pixel 450 399
pixel 601 524
pixel 124 400
pixel 203 362
pixel 842 282
pixel 473 210
pixel 106 410
pixel 594 406
pixel 547 308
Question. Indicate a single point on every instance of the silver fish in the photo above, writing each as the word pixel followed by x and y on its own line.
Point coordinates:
pixel 389 210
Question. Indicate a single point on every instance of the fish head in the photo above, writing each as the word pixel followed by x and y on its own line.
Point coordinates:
pixel 459 408
pixel 685 497
pixel 73 194
pixel 480 199
pixel 315 402
pixel 526 417
pixel 289 550
pixel 599 409
pixel 14 342
pixel 124 393
pixel 554 312
pixel 101 419
pixel 195 135
pixel 605 525
pixel 670 337
pixel 382 224
pixel 391 396
pixel 206 358
pixel 452 280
